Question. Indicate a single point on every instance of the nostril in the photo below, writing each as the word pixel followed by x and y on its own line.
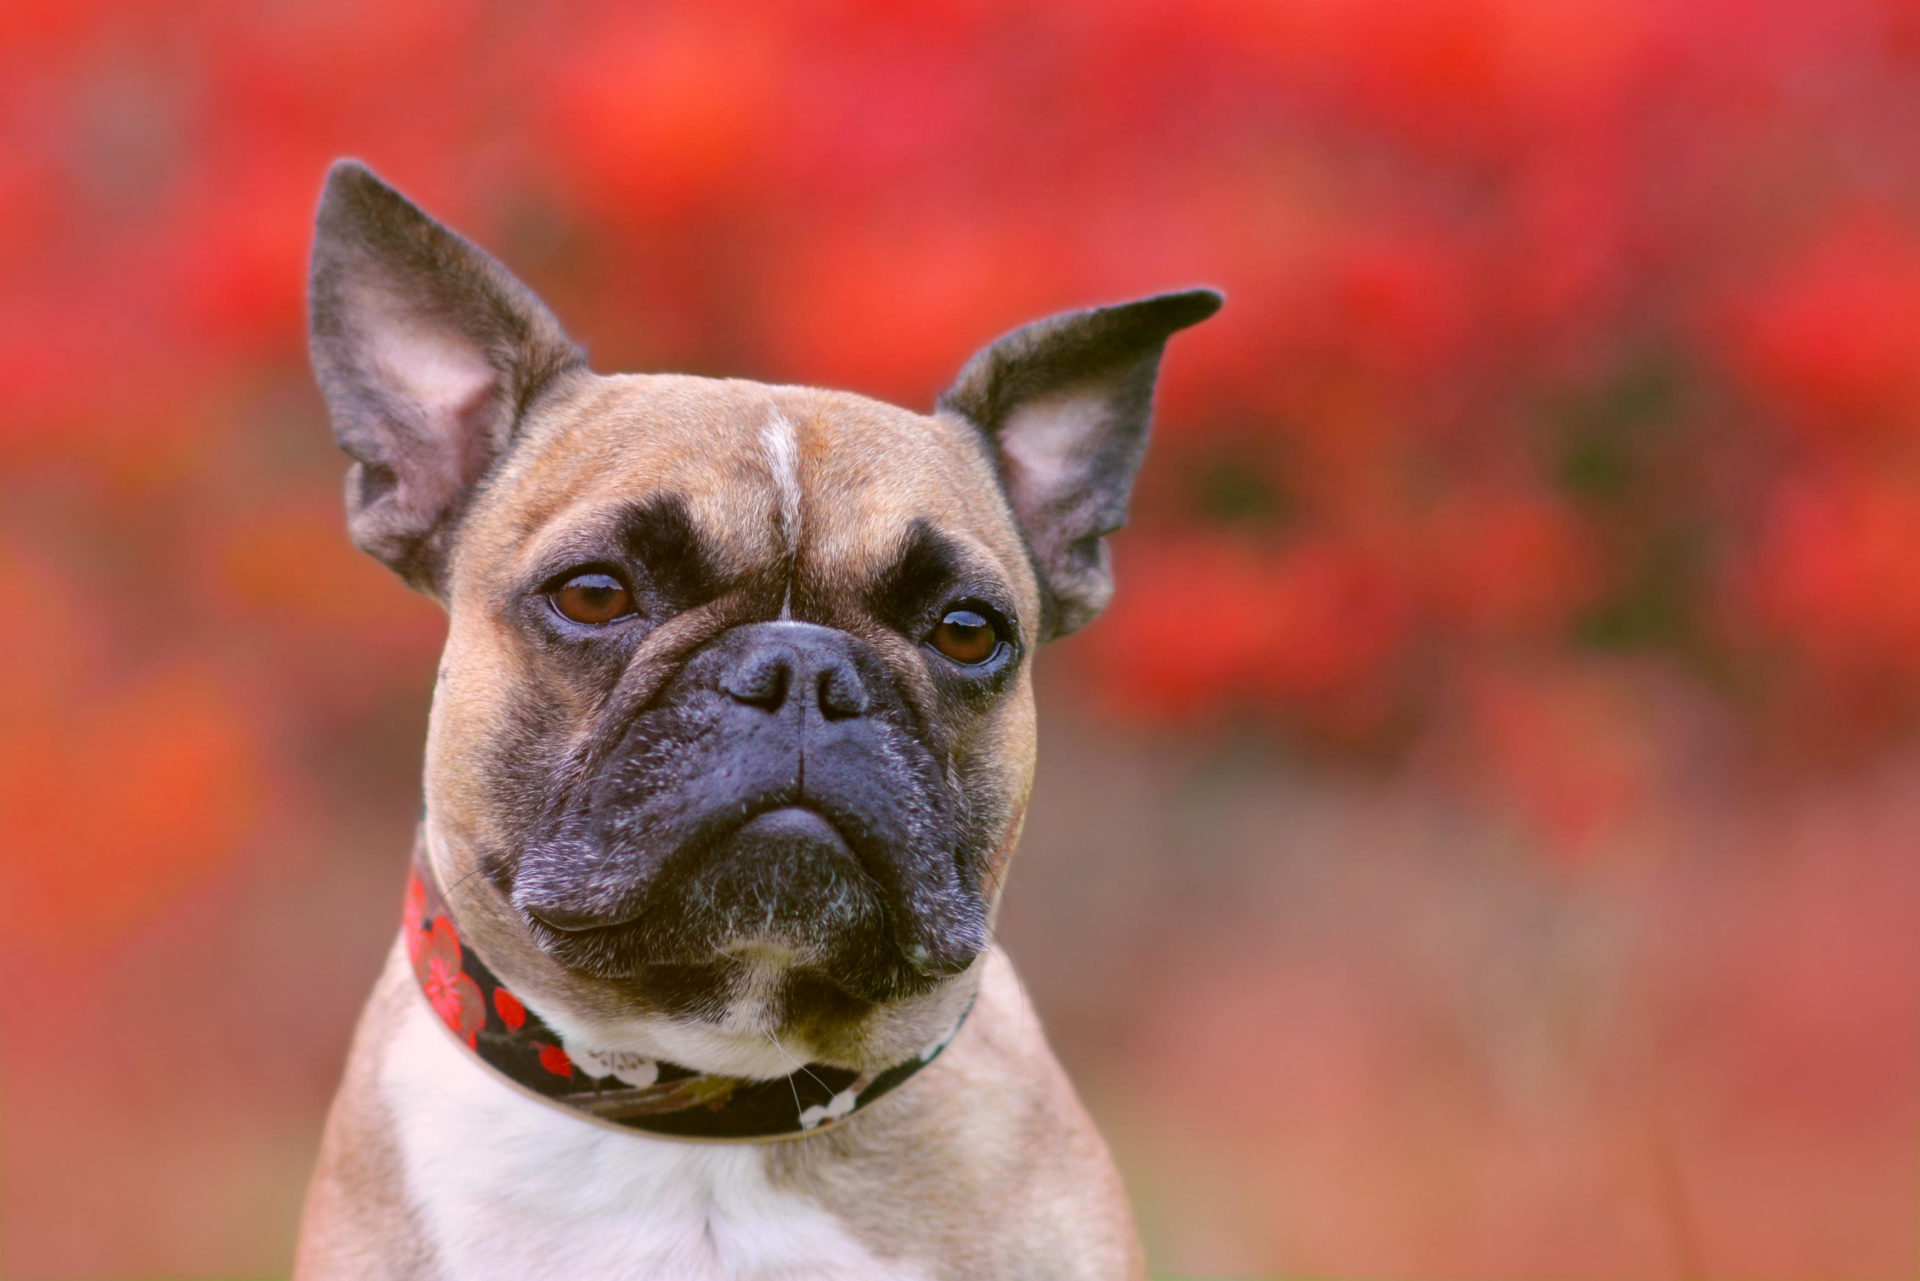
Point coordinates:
pixel 760 681
pixel 841 693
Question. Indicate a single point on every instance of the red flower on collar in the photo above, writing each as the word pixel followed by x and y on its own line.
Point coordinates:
pixel 413 917
pixel 555 1060
pixel 673 1101
pixel 435 952
pixel 511 1012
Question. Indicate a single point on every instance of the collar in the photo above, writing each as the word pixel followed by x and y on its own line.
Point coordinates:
pixel 625 1090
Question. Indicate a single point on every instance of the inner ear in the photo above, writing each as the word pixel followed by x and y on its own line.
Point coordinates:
pixel 1052 448
pixel 427 364
pixel 441 393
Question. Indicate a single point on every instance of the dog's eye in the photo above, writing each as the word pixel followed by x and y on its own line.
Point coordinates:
pixel 966 637
pixel 592 599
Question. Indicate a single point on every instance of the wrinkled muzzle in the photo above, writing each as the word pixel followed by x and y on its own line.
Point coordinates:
pixel 779 793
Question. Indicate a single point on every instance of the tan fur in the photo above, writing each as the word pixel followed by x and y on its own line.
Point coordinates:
pixel 867 470
pixel 358 1220
pixel 993 1168
pixel 983 1166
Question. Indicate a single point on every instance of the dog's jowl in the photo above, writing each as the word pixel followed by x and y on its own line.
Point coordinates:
pixel 730 745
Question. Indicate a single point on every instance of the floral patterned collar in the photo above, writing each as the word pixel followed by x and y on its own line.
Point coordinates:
pixel 629 1091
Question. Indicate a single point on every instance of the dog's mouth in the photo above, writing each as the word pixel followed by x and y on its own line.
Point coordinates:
pixel 782 885
pixel 770 836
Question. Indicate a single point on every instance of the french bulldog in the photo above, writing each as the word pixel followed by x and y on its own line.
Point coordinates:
pixel 730 744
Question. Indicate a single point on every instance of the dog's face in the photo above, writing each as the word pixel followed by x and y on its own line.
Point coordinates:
pixel 735 704
pixel 734 729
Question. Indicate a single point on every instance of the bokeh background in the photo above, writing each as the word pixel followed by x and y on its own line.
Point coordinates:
pixel 1479 842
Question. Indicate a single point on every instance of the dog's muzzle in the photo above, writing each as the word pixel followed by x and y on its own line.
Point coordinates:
pixel 778 796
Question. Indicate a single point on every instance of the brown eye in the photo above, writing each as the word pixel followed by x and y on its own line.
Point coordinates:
pixel 966 637
pixel 592 599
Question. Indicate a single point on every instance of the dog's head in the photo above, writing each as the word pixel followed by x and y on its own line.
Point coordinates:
pixel 734 729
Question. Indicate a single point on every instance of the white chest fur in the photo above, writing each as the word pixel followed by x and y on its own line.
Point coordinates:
pixel 510 1187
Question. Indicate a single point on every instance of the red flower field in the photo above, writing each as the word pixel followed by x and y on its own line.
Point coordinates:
pixel 1517 646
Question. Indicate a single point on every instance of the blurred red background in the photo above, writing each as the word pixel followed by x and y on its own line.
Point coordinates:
pixel 1478 842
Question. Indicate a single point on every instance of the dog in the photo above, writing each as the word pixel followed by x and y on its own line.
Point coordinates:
pixel 730 744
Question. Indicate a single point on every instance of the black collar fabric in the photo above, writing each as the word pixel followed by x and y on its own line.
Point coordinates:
pixel 657 1097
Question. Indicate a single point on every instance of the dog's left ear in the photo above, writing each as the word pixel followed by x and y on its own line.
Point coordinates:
pixel 428 353
pixel 1065 403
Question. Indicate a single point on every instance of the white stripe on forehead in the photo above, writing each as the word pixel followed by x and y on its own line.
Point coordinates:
pixel 783 461
pixel 782 444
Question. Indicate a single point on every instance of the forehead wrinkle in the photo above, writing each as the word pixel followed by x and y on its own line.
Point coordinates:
pixel 628 435
pixel 872 468
pixel 725 501
pixel 887 550
pixel 631 529
pixel 923 548
pixel 589 526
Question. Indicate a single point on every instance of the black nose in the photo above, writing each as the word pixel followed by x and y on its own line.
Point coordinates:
pixel 797 666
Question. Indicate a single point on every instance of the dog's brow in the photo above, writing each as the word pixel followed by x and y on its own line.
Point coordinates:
pixel 660 534
pixel 929 563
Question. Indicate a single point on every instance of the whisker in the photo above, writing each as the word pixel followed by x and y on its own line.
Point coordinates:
pixel 798 1066
pixel 797 1109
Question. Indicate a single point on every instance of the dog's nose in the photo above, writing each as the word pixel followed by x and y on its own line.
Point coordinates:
pixel 802 666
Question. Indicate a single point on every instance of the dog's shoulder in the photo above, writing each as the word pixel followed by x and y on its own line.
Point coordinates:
pixel 359 1220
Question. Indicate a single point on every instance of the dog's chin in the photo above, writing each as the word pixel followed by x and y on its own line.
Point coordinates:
pixel 778 911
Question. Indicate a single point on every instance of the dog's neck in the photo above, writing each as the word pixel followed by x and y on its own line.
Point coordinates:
pixel 625 1090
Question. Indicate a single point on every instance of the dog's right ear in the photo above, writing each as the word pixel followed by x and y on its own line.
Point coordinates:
pixel 428 353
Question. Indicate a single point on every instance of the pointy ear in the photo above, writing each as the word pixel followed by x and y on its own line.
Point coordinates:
pixel 428 353
pixel 1065 402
